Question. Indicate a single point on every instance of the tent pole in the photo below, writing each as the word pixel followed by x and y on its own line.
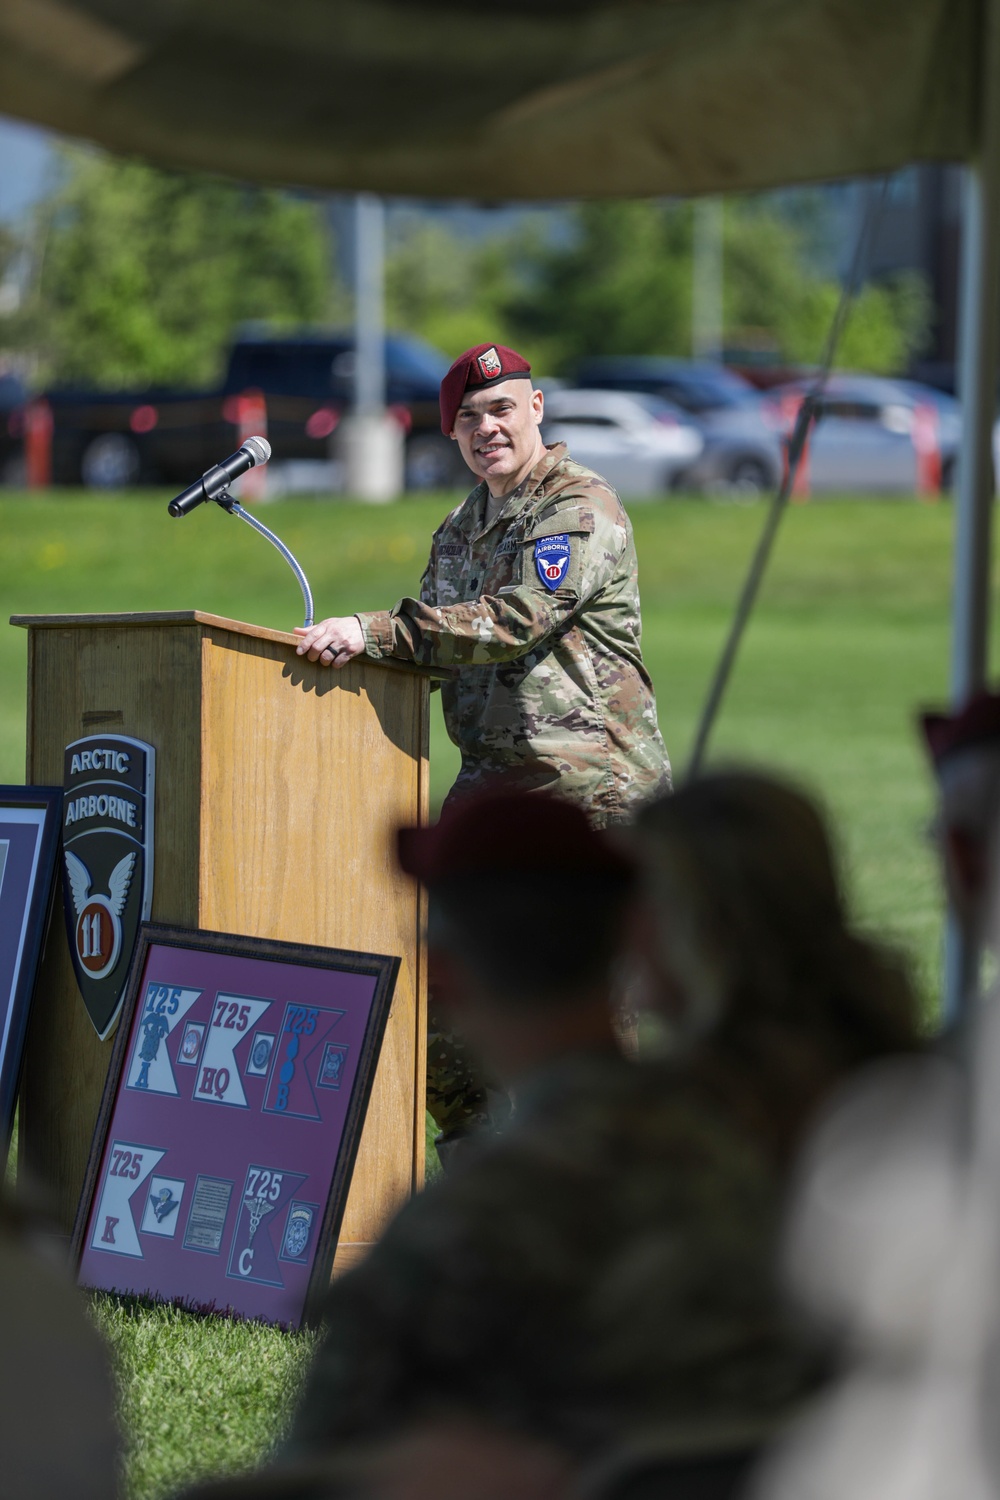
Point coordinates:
pixel 979 334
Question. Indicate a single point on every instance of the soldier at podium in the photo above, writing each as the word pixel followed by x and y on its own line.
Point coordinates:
pixel 531 596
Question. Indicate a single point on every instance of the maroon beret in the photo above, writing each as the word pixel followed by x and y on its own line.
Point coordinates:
pixel 510 833
pixel 486 364
pixel 976 724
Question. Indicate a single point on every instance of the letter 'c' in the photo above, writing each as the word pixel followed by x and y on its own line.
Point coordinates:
pixel 245 1262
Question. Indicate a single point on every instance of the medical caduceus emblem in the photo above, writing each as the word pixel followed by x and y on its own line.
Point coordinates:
pixel 108 864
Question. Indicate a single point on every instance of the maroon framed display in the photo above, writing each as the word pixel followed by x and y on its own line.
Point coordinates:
pixel 230 1122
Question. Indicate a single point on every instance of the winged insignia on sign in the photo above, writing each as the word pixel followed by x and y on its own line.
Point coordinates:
pixel 118 882
pixel 108 863
pixel 98 928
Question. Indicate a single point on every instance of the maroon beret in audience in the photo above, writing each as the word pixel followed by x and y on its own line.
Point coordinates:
pixel 510 833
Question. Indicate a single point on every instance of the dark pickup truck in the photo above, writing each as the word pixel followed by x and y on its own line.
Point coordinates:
pixel 109 439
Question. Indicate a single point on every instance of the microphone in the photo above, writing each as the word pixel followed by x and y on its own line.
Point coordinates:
pixel 216 480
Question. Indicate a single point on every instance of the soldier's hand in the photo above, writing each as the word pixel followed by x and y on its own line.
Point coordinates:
pixel 331 642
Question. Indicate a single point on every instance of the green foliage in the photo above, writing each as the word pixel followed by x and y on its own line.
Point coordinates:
pixel 770 293
pixel 9 249
pixel 887 325
pixel 447 290
pixel 622 285
pixel 143 275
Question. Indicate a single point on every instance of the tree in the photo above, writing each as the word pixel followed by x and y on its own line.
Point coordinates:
pixel 452 292
pixel 143 276
pixel 622 285
pixel 770 291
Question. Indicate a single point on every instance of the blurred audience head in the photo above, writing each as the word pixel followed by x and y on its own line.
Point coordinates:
pixel 965 750
pixel 744 937
pixel 527 908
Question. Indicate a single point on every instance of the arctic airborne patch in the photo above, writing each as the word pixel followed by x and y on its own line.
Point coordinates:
pixel 107 864
pixel 552 559
pixel 490 364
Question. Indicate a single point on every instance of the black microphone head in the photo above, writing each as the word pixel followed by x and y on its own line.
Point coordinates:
pixel 259 449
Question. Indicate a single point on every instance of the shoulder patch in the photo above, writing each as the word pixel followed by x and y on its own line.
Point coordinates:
pixel 552 559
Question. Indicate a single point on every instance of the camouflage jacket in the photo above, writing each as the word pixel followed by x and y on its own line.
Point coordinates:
pixel 603 1269
pixel 550 686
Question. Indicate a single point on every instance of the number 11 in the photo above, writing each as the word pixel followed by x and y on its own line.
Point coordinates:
pixel 91 936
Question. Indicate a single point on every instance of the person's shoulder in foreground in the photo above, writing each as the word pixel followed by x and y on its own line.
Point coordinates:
pixel 603 1268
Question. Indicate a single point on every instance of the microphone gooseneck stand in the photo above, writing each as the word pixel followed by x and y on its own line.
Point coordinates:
pixel 233 506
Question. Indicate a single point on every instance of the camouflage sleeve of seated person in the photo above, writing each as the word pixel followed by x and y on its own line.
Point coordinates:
pixel 458 1090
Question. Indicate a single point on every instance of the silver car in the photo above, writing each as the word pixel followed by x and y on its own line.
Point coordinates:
pixel 868 431
pixel 741 449
pixel 640 444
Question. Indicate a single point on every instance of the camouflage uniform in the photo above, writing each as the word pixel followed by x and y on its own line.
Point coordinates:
pixel 598 1276
pixel 458 1091
pixel 550 690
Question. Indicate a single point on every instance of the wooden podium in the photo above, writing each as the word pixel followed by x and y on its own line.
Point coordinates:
pixel 279 784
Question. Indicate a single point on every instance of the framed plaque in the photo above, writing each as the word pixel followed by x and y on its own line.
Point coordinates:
pixel 230 1122
pixel 29 840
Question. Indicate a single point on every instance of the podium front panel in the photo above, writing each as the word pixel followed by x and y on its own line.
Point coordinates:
pixel 279 785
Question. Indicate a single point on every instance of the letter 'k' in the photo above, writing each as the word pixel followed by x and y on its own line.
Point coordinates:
pixel 108 1237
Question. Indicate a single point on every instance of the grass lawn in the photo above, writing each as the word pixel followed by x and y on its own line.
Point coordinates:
pixel 851 635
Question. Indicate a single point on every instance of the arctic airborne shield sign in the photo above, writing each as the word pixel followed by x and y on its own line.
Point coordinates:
pixel 107 863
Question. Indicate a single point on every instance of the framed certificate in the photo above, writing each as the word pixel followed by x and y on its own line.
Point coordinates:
pixel 29 840
pixel 230 1122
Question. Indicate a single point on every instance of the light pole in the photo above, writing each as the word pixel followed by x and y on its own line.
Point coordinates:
pixel 706 291
pixel 369 439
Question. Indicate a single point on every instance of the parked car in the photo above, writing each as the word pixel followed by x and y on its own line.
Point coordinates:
pixel 863 438
pixel 741 448
pixel 109 439
pixel 640 444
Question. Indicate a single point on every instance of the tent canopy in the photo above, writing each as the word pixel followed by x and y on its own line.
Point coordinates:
pixel 529 99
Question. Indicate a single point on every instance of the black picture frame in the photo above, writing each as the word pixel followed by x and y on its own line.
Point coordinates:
pixel 258 1124
pixel 30 831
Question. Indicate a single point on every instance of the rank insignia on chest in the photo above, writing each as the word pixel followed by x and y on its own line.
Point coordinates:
pixel 552 559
